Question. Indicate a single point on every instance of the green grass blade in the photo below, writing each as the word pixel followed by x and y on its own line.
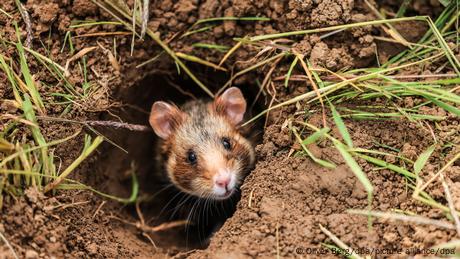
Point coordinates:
pixel 422 159
pixel 288 75
pixel 9 74
pixel 36 134
pixel 132 198
pixel 341 126
pixel 389 166
pixel 362 177
pixel 402 8
pixel 211 46
pixel 28 77
pixel 445 106
pixel 89 148
pixel 315 159
pixel 231 18
pixel 315 136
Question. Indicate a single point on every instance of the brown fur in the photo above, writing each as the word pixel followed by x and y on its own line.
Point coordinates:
pixel 201 128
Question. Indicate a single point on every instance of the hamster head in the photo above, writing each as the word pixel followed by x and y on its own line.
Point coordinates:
pixel 204 153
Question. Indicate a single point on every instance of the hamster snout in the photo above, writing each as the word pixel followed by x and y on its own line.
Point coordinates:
pixel 202 151
pixel 224 182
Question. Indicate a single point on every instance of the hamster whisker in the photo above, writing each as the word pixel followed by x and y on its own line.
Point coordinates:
pixel 181 202
pixel 169 185
pixel 190 218
pixel 169 202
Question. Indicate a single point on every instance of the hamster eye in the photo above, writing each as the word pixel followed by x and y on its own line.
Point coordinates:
pixel 191 157
pixel 226 143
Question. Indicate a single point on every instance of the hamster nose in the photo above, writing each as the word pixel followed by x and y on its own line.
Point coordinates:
pixel 223 181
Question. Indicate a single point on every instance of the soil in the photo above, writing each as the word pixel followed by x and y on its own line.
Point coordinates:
pixel 286 197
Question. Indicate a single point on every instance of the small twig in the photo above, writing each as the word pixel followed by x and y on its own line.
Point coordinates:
pixel 98 209
pixel 331 33
pixel 150 239
pixel 271 102
pixel 139 213
pixel 65 206
pixel 119 125
pixel 339 242
pixel 8 245
pixel 404 218
pixel 161 227
pixel 26 17
pixel 417 191
pixel 267 80
pixel 251 195
pixel 112 124
pixel 145 17
pixel 430 129
pixel 451 204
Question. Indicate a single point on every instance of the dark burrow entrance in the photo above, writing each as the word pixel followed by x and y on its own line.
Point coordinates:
pixel 160 201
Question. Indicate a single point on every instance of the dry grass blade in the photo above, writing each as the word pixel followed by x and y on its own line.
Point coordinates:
pixel 418 190
pixel 300 57
pixel 79 55
pixel 390 30
pixel 5 13
pixel 102 34
pixel 117 9
pixel 111 57
pixel 200 61
pixel 8 245
pixel 450 202
pixel 335 28
pixel 145 17
pixel 335 87
pixel 405 218
pixel 244 71
pixel 349 252
pixel 51 143
pixel 230 52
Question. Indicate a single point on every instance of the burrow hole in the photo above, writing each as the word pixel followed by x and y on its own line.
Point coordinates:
pixel 159 203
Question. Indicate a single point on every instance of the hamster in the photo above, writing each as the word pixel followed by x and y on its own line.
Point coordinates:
pixel 201 149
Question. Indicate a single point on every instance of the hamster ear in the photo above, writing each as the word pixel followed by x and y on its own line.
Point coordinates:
pixel 232 104
pixel 164 118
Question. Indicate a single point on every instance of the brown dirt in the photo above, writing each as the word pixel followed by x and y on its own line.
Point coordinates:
pixel 283 200
pixel 292 196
